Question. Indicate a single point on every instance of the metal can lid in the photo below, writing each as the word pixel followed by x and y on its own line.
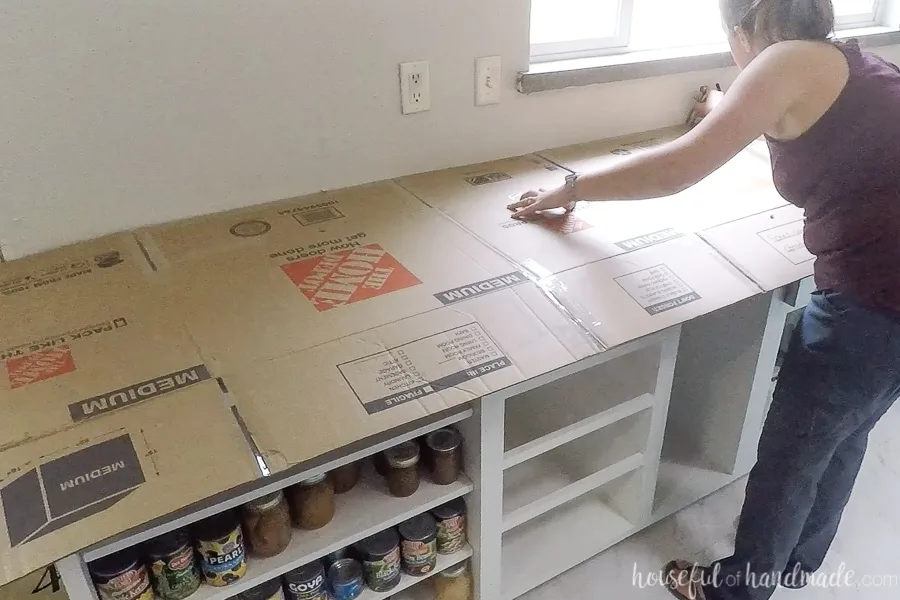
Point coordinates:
pixel 265 591
pixel 379 545
pixel 168 544
pixel 344 571
pixel 422 528
pixel 315 480
pixel 306 573
pixel 115 564
pixel 454 508
pixel 454 571
pixel 403 455
pixel 216 527
pixel 447 439
pixel 265 503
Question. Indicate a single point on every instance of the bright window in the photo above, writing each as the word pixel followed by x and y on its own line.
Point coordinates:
pixel 563 29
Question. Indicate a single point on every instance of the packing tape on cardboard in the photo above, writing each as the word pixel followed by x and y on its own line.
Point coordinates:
pixel 558 294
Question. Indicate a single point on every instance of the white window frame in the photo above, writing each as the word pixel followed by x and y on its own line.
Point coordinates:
pixel 551 51
pixel 868 19
pixel 619 43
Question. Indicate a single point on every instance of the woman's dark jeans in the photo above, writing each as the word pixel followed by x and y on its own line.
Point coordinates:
pixel 840 375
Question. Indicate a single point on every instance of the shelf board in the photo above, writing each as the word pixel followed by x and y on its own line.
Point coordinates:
pixel 407 582
pixel 678 486
pixel 554 543
pixel 364 511
pixel 575 431
pixel 547 476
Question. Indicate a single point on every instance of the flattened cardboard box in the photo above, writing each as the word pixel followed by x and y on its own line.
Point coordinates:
pixel 64 492
pixel 635 294
pixel 352 312
pixel 768 247
pixel 86 352
pixel 740 188
pixel 477 196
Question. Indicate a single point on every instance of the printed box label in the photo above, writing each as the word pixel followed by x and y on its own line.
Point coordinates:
pixel 474 290
pixel 788 241
pixel 650 239
pixel 657 289
pixel 70 488
pixel 340 278
pixel 423 367
pixel 139 392
pixel 40 366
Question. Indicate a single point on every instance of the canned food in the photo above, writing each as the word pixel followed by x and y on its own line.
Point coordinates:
pixel 270 590
pixel 307 583
pixel 346 577
pixel 451 526
pixel 173 571
pixel 336 556
pixel 121 576
pixel 419 546
pixel 381 560
pixel 220 544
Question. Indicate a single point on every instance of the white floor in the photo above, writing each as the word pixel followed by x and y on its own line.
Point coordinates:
pixel 868 543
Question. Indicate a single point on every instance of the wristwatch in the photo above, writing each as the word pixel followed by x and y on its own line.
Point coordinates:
pixel 571 180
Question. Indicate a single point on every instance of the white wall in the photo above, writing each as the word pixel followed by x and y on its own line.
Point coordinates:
pixel 121 113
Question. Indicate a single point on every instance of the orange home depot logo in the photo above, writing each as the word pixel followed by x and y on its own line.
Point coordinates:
pixel 565 224
pixel 39 366
pixel 349 276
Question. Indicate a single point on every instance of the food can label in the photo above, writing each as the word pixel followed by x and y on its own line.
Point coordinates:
pixel 451 535
pixel 313 589
pixel 381 574
pixel 130 585
pixel 419 557
pixel 178 578
pixel 347 590
pixel 223 560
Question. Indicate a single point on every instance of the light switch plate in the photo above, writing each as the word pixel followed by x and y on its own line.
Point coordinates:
pixel 488 76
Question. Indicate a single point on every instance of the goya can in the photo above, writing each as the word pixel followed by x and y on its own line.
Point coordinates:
pixel 173 570
pixel 270 590
pixel 381 560
pixel 451 526
pixel 121 576
pixel 220 545
pixel 346 579
pixel 307 583
pixel 419 545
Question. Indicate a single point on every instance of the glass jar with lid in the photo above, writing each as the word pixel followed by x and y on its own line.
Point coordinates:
pixel 454 583
pixel 267 525
pixel 403 469
pixel 445 450
pixel 312 503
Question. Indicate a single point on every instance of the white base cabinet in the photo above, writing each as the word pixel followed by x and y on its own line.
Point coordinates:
pixel 560 468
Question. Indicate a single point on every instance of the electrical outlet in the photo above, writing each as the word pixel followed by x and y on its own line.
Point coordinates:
pixel 415 87
pixel 487 80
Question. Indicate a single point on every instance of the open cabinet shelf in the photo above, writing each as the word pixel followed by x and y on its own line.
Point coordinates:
pixel 555 542
pixel 362 512
pixel 569 471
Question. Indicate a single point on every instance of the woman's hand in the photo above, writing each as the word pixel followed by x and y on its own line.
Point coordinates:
pixel 535 202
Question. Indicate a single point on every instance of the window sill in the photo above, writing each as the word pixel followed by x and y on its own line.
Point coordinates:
pixel 542 77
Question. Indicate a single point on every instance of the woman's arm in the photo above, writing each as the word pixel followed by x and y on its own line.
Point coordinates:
pixel 757 100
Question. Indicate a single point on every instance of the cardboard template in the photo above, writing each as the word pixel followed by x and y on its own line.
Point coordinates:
pixel 635 294
pixel 358 311
pixel 88 356
pixel 740 188
pixel 64 492
pixel 767 247
pixel 477 196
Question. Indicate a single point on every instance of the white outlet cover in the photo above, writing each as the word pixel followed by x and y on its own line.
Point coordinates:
pixel 415 87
